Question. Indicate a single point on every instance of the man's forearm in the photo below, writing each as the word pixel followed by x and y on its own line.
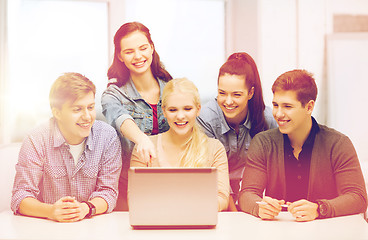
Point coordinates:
pixel 34 208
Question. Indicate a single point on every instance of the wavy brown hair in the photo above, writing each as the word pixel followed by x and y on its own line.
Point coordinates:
pixel 119 71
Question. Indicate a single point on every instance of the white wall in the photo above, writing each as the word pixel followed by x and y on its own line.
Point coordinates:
pixel 277 40
pixel 292 34
pixel 347 61
pixel 347 87
pixel 242 31
pixel 3 70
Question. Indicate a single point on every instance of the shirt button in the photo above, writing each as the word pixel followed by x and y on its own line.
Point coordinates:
pixel 299 165
pixel 299 177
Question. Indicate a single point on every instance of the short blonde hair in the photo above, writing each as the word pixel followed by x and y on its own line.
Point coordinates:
pixel 69 87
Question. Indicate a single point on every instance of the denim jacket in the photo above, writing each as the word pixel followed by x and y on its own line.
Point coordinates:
pixel 119 104
pixel 213 122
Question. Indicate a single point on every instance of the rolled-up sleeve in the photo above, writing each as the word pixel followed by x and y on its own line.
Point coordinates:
pixel 29 172
pixel 108 177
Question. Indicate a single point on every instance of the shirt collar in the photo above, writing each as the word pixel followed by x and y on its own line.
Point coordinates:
pixel 312 134
pixel 132 91
pixel 224 125
pixel 310 139
pixel 59 139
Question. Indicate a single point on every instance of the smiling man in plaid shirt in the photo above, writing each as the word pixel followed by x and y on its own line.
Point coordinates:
pixel 68 168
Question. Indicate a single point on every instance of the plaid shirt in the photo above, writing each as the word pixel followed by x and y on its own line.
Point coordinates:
pixel 46 169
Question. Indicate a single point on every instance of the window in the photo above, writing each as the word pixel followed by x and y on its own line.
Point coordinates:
pixel 46 39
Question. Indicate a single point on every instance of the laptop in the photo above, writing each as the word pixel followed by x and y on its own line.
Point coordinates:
pixel 172 197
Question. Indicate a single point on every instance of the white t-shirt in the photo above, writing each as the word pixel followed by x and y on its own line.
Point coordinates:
pixel 76 151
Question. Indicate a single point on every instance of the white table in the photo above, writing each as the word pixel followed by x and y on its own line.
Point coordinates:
pixel 230 226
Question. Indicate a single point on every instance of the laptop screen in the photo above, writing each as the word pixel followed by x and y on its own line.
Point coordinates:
pixel 172 197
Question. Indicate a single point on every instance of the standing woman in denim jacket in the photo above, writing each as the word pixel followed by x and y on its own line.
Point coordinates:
pixel 132 101
pixel 237 114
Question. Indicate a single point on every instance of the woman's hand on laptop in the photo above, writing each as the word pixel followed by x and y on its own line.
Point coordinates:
pixel 146 149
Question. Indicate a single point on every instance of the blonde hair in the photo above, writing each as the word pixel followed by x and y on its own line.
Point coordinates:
pixel 69 87
pixel 196 151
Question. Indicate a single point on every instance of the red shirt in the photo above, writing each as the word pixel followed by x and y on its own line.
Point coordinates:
pixel 155 121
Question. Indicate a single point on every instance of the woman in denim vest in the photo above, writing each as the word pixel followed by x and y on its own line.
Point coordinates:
pixel 132 101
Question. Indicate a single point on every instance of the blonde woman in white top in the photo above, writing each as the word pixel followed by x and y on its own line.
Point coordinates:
pixel 184 144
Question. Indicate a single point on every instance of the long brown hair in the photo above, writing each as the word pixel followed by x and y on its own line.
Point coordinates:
pixel 119 71
pixel 242 64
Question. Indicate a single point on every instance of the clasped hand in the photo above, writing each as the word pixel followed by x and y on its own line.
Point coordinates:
pixel 302 210
pixel 67 209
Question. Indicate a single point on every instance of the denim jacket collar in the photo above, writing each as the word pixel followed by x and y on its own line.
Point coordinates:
pixel 130 89
pixel 224 125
